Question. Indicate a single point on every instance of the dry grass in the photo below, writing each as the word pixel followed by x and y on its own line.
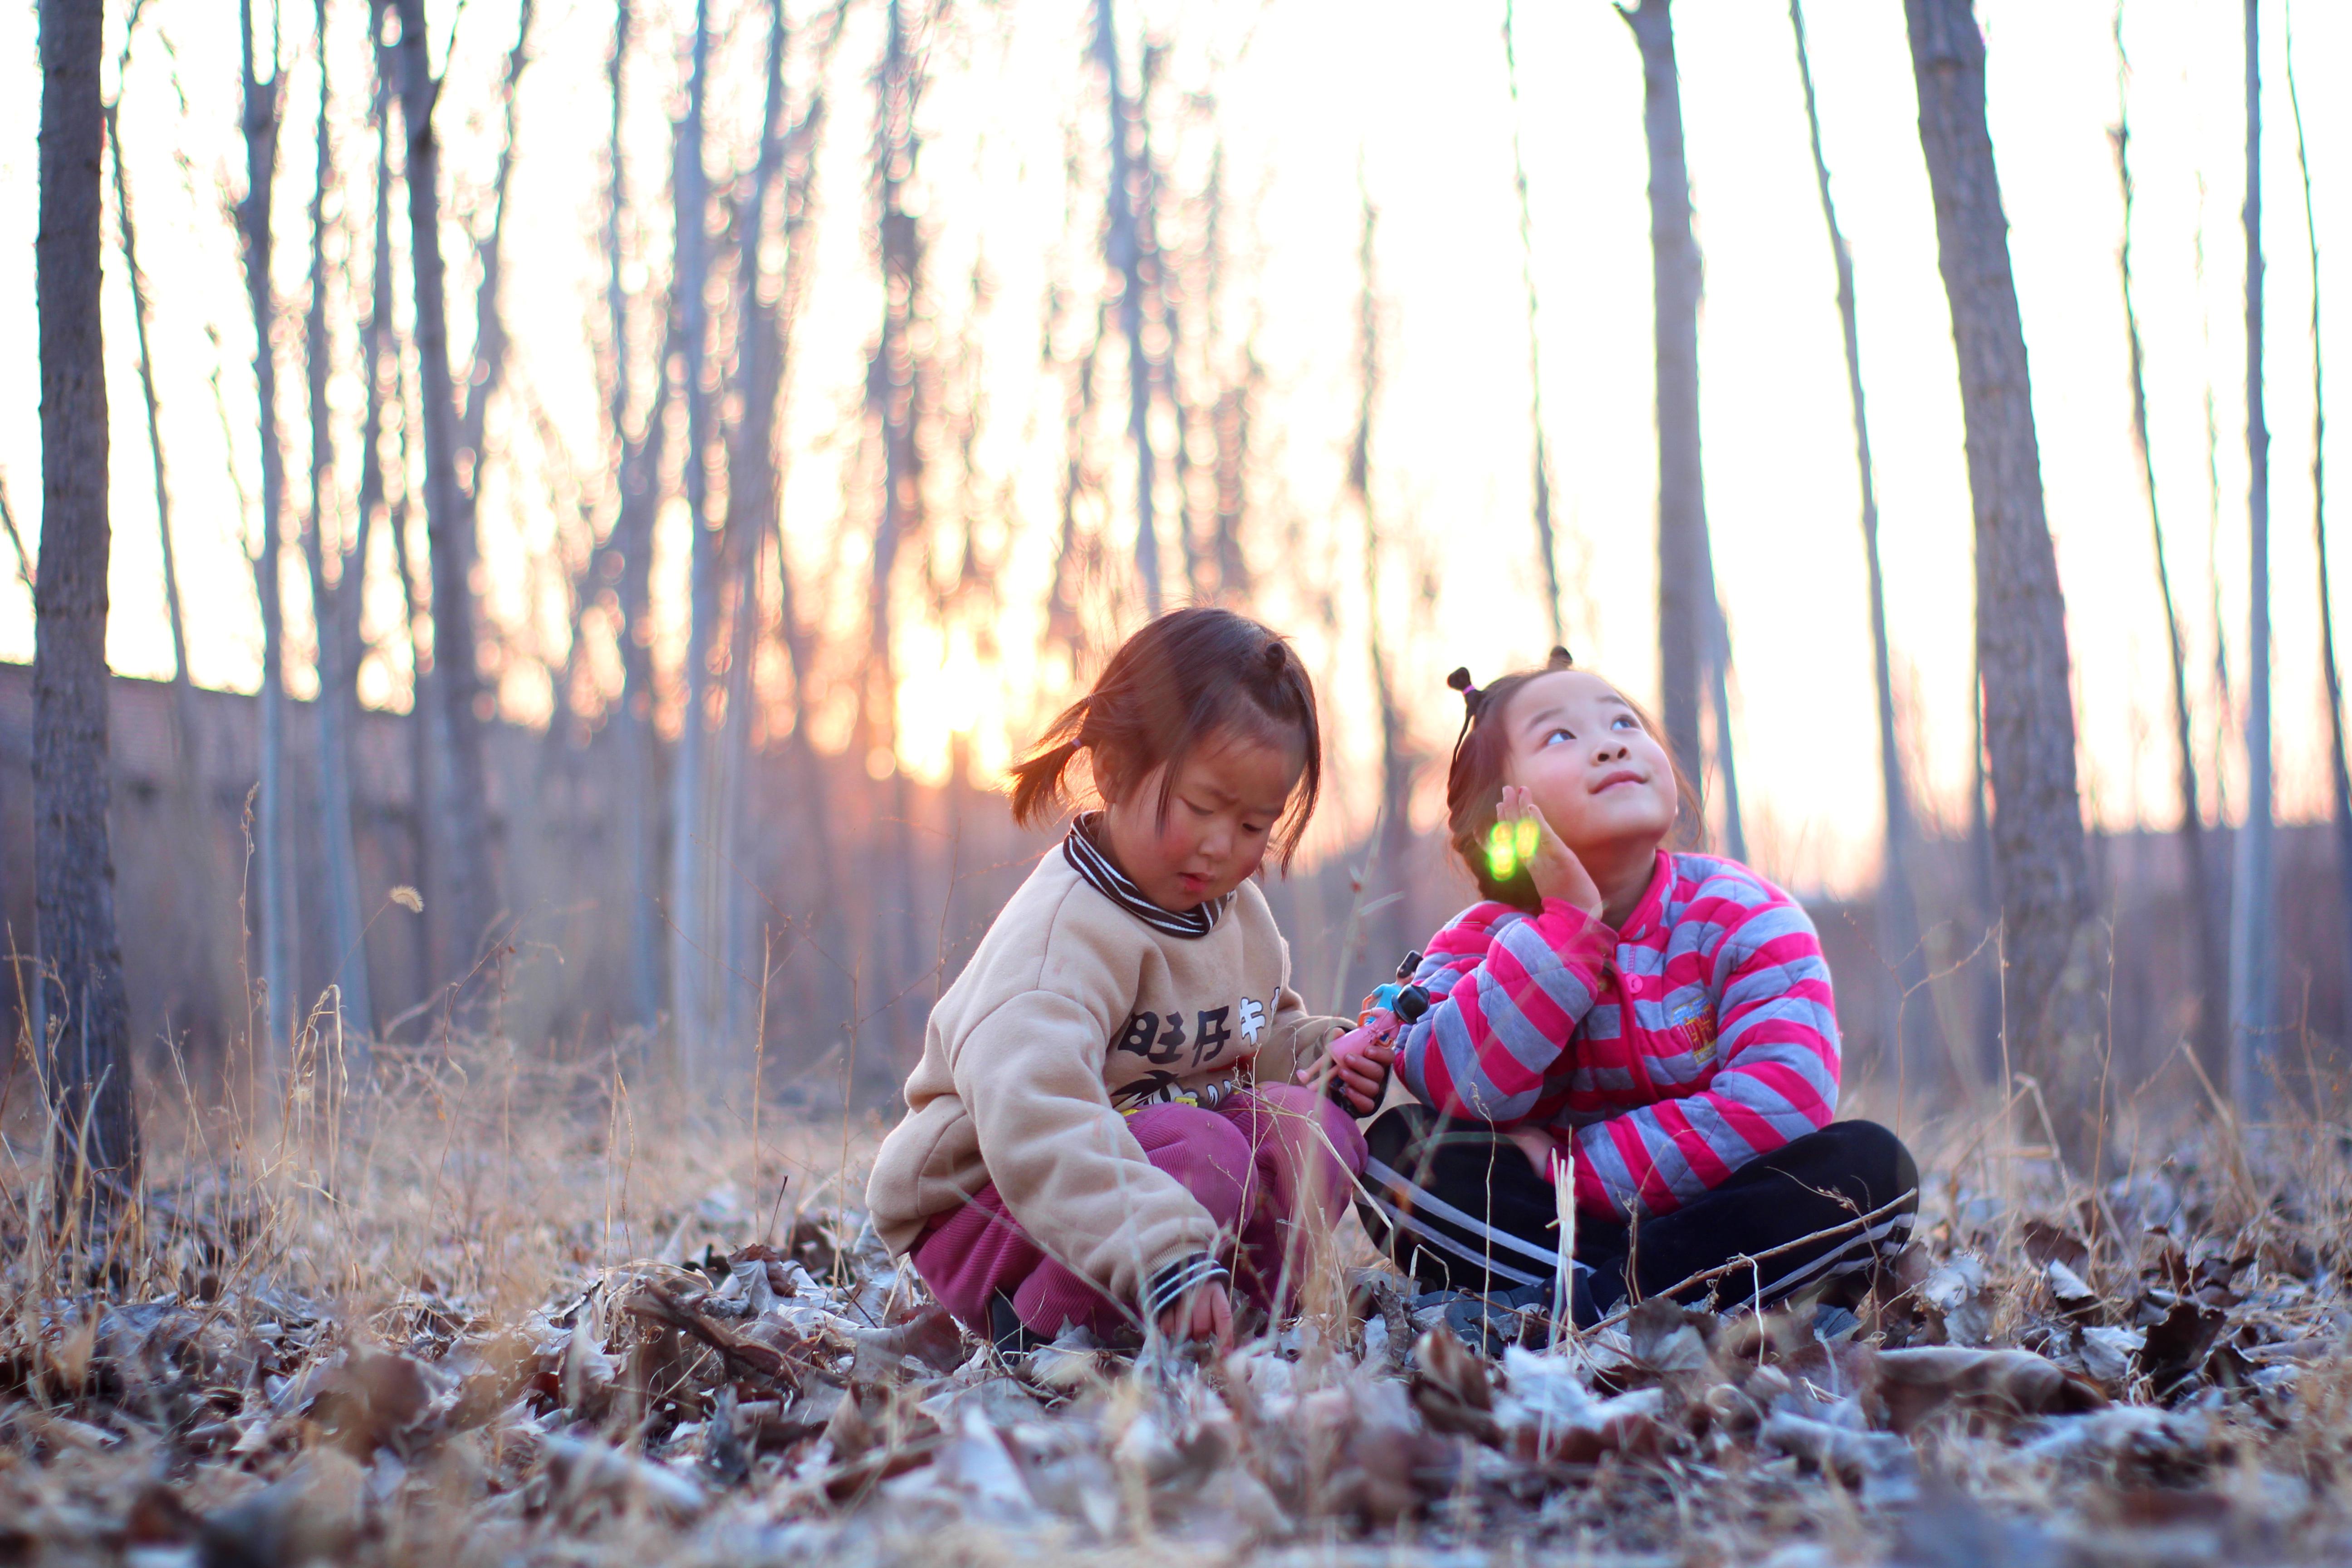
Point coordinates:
pixel 486 1306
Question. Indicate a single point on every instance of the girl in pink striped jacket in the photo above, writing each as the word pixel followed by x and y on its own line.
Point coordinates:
pixel 1657 1026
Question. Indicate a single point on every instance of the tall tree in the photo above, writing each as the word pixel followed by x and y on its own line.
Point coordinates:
pixel 898 407
pixel 2210 956
pixel 1547 554
pixel 81 1012
pixel 2339 775
pixel 1691 635
pixel 2051 944
pixel 627 562
pixel 1390 932
pixel 2254 912
pixel 692 967
pixel 1123 249
pixel 376 346
pixel 336 711
pixel 461 809
pixel 280 950
pixel 820 892
pixel 1898 907
pixel 753 504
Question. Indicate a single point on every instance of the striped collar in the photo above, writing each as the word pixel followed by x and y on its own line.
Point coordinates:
pixel 1094 867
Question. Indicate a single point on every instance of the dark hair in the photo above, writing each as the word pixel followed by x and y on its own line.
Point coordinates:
pixel 1474 785
pixel 1187 676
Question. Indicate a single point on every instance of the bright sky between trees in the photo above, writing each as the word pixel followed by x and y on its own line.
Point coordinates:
pixel 1416 99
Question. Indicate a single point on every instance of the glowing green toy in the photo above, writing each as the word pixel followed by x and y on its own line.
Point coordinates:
pixel 1510 845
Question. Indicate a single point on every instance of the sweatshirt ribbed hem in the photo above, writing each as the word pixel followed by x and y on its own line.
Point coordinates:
pixel 1170 1283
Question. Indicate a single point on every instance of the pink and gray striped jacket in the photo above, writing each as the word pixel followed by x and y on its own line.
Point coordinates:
pixel 1674 1051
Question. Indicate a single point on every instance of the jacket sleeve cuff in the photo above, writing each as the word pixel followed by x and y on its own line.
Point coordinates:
pixel 1313 1040
pixel 1174 1281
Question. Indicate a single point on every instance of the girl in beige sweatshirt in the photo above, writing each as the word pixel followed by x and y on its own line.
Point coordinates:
pixel 1102 1129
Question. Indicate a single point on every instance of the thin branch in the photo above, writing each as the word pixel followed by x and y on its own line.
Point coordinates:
pixel 16 541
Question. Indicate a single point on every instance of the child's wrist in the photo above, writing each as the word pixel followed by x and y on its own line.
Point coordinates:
pixel 1178 1281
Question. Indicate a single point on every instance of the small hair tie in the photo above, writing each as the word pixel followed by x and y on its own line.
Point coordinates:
pixel 1472 698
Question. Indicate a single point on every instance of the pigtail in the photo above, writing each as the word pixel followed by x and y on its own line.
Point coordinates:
pixel 1039 787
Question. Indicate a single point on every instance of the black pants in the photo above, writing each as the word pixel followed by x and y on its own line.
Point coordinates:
pixel 1457 1206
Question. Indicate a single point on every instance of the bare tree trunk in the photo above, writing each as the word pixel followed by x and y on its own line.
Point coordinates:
pixel 1898 894
pixel 823 898
pixel 1546 552
pixel 2339 776
pixel 2209 953
pixel 281 1007
pixel 1727 763
pixel 691 971
pixel 1123 249
pixel 628 553
pixel 2053 947
pixel 898 396
pixel 1390 930
pixel 425 742
pixel 82 1012
pixel 2254 914
pixel 2221 848
pixel 374 339
pixel 462 811
pixel 335 709
pixel 752 504
pixel 1229 417
pixel 1688 628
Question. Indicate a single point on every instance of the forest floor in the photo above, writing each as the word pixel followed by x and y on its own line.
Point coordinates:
pixel 399 1329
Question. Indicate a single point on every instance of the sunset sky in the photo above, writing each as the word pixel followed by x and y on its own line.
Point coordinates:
pixel 1410 101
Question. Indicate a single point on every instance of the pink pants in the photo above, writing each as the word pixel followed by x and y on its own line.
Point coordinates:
pixel 1256 1163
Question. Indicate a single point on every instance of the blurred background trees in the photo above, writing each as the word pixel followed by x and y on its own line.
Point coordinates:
pixel 626 668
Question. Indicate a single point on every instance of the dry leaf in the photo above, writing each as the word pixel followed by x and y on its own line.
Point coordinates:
pixel 1450 1388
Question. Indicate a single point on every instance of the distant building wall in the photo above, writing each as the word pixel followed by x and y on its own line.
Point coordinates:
pixel 181 866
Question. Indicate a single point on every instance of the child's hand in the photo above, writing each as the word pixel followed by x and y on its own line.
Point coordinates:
pixel 1206 1314
pixel 1553 866
pixel 1360 1062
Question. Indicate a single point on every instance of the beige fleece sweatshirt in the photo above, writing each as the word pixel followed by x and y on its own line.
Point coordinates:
pixel 1071 1007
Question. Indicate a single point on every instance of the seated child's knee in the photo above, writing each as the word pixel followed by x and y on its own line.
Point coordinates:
pixel 1876 1154
pixel 1205 1153
pixel 1311 1125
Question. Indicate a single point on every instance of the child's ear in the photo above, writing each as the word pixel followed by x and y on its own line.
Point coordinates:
pixel 1111 779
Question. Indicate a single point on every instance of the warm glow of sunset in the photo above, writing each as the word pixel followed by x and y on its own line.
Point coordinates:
pixel 1306 96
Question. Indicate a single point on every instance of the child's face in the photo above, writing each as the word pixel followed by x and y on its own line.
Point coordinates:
pixel 1229 795
pixel 1599 776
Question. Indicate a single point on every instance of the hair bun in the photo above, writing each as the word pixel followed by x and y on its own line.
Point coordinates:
pixel 1277 657
pixel 1460 680
pixel 1562 659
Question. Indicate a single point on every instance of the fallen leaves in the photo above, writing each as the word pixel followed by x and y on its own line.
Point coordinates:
pixel 809 1398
